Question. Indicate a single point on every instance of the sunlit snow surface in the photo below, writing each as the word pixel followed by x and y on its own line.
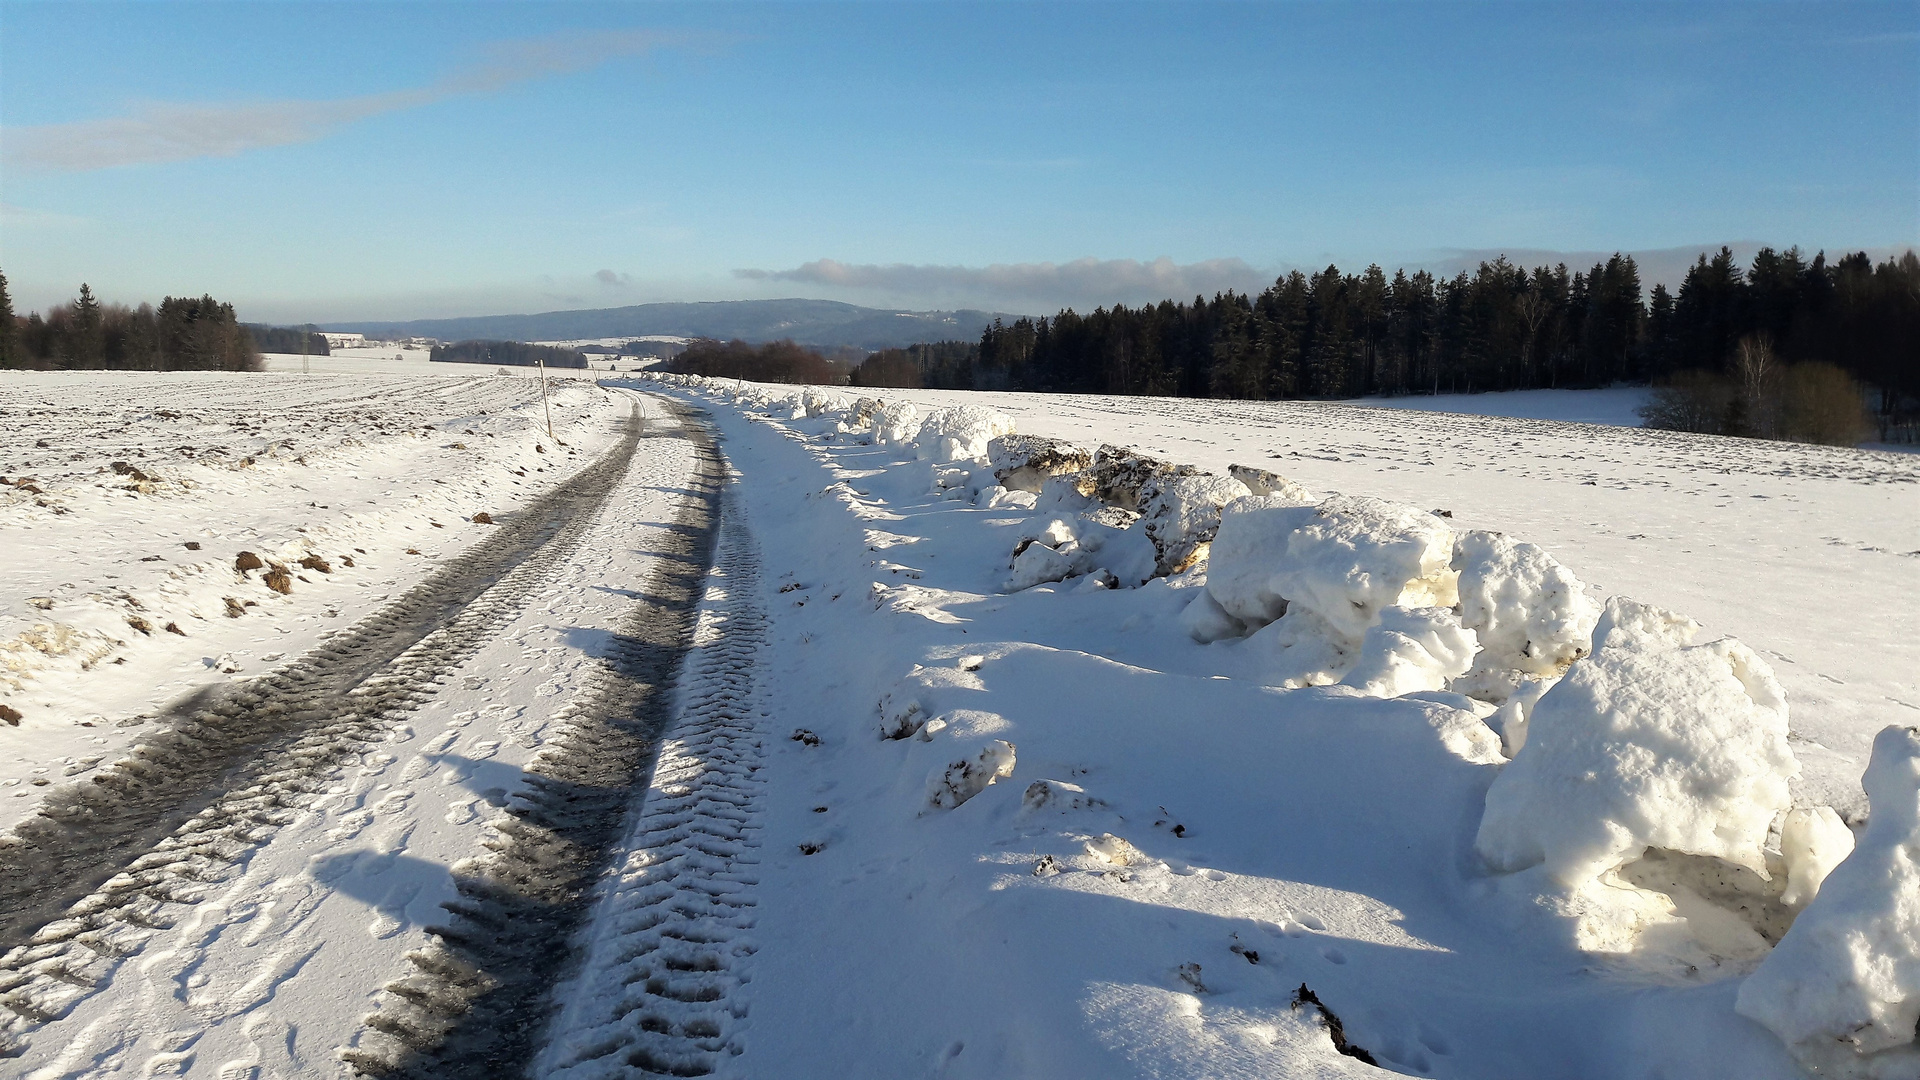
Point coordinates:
pixel 1188 815
pixel 1109 850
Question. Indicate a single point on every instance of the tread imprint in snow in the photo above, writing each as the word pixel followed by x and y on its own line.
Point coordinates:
pixel 660 993
pixel 477 999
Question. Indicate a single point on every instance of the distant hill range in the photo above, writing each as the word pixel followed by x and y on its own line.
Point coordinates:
pixel 820 323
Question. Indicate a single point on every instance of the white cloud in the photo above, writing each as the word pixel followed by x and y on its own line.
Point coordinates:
pixel 169 131
pixel 1081 283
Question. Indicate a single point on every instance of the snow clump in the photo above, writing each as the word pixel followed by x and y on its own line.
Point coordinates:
pixel 1262 482
pixel 1119 474
pixel 1842 989
pixel 966 777
pixel 895 423
pixel 1410 650
pixel 1652 741
pixel 1813 840
pixel 1182 514
pixel 1533 618
pixel 1025 462
pixel 1344 560
pixel 1107 538
pixel 960 433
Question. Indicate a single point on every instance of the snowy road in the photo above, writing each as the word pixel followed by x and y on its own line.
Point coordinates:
pixel 254 874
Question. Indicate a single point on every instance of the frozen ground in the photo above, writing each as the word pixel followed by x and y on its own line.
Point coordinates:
pixel 908 817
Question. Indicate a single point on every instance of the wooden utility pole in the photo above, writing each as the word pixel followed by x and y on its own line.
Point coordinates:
pixel 538 359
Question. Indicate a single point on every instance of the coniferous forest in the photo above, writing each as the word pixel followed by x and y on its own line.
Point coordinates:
pixel 510 353
pixel 1337 335
pixel 182 334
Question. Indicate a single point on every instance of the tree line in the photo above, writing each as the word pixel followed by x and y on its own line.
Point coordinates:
pixel 287 339
pixel 1502 327
pixel 509 353
pixel 182 334
pixel 775 361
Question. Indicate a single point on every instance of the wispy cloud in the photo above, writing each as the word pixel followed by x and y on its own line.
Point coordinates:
pixel 157 132
pixel 1082 282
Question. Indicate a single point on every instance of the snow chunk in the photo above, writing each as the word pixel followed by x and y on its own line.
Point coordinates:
pixel 1531 615
pixel 819 402
pixel 1813 840
pixel 963 779
pixel 1182 514
pixel 1120 473
pixel 1262 482
pixel 1842 989
pixel 1344 560
pixel 895 423
pixel 1650 742
pixel 960 433
pixel 1038 564
pixel 1301 649
pixel 1410 650
pixel 1511 718
pixel 1025 462
pixel 1056 796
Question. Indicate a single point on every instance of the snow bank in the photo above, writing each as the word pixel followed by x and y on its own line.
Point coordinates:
pixel 960 433
pixel 1842 989
pixel 1650 742
pixel 1531 615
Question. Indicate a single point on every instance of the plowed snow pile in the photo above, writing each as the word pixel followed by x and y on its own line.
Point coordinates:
pixel 1120 759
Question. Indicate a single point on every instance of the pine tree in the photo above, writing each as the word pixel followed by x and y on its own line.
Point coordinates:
pixel 9 356
pixel 87 343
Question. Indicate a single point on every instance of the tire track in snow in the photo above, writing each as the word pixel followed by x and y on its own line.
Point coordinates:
pixel 477 1000
pixel 660 990
pixel 108 864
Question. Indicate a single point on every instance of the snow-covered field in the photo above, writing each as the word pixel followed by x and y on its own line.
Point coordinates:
pixel 958 779
pixel 130 497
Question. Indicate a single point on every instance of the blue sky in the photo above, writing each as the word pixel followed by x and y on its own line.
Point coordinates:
pixel 341 160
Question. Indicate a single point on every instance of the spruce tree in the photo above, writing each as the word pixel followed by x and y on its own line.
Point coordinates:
pixel 8 354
